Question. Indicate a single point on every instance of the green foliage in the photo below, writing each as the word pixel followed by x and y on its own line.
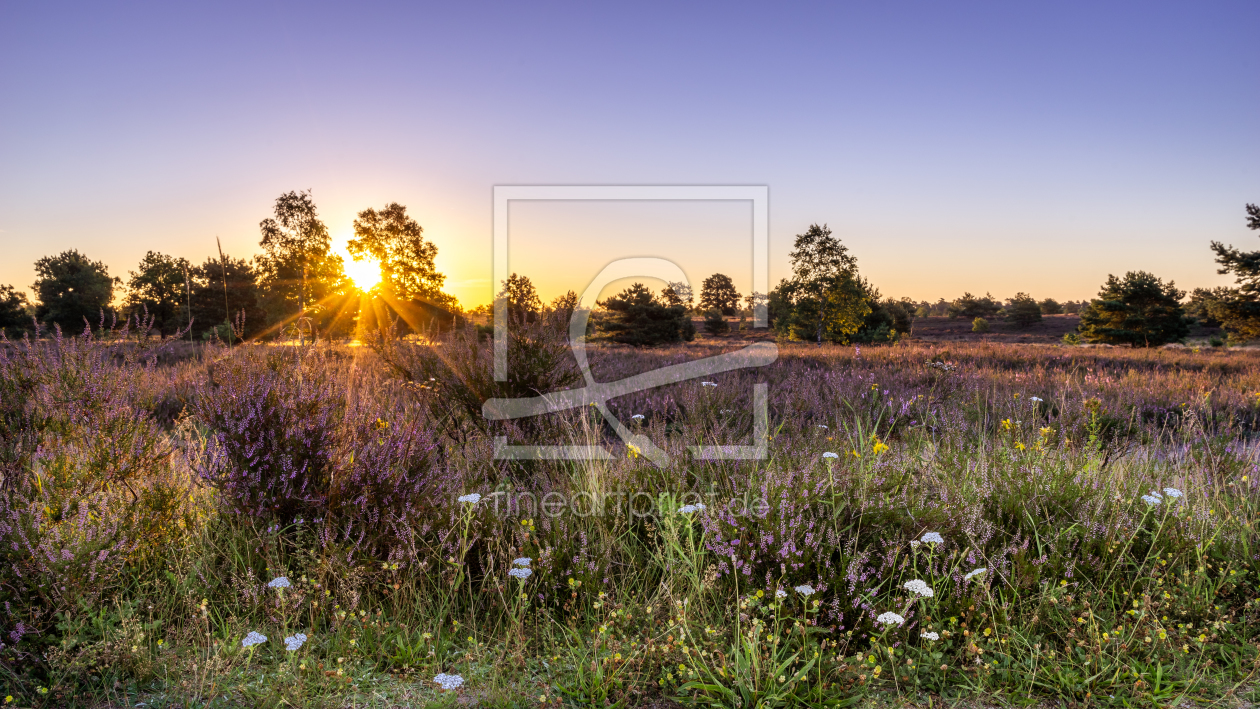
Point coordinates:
pixel 523 303
pixel 970 306
pixel 298 274
pixel 159 290
pixel 888 318
pixel 1239 310
pixel 1050 306
pixel 718 293
pixel 825 299
pixel 715 323
pixel 213 305
pixel 72 290
pixel 1071 338
pixel 15 317
pixel 1139 310
pixel 396 242
pixel 1206 306
pixel 678 293
pixel 1022 310
pixel 979 325
pixel 636 317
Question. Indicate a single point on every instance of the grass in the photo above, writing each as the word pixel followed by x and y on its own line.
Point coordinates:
pixel 133 572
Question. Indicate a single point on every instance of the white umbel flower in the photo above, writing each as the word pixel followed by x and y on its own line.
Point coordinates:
pixel 780 593
pixel 689 509
pixel 293 642
pixel 974 572
pixel 471 498
pixel 1151 500
pixel 933 538
pixel 805 590
pixel 523 561
pixel 446 681
pixel 637 417
pixel 932 636
pixel 708 384
pixel 890 618
pixel 520 573
pixel 254 638
pixel 919 587
pixel 279 582
pixel 829 454
pixel 1172 492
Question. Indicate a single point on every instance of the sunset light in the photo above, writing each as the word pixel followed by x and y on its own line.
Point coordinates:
pixel 365 273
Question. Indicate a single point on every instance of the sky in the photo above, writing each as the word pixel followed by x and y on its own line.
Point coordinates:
pixel 974 146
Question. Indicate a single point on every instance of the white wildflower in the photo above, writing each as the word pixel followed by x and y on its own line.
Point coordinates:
pixel 975 572
pixel 279 582
pixel 446 681
pixel 689 509
pixel 520 573
pixel 919 588
pixel 821 426
pixel 708 384
pixel 933 538
pixel 914 543
pixel 829 454
pixel 780 593
pixel 293 642
pixel 1151 500
pixel 471 498
pixel 1172 492
pixel 1034 398
pixel 254 638
pixel 890 618
pixel 523 561
pixel 805 590
pixel 932 636
pixel 637 416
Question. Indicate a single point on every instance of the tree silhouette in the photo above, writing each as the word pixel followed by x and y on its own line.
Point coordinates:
pixel 72 290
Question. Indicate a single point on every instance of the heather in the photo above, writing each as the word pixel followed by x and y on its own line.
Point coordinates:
pixel 326 525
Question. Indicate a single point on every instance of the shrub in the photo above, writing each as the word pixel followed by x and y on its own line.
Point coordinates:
pixel 715 323
pixel 1050 306
pixel 636 317
pixel 979 325
pixel 273 417
pixel 1022 310
pixel 970 306
pixel 1139 310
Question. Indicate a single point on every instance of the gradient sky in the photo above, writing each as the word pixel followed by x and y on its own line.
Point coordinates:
pixel 981 146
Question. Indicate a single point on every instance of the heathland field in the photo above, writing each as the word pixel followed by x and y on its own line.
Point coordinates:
pixel 328 526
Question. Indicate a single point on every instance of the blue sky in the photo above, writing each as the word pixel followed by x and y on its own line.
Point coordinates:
pixel 988 146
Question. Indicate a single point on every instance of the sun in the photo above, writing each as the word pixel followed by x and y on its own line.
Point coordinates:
pixel 365 274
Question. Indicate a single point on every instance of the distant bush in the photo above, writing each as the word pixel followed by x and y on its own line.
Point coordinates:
pixel 979 325
pixel 715 323
pixel 1022 311
pixel 1071 338
pixel 1050 306
pixel 1138 310
pixel 970 306
pixel 636 317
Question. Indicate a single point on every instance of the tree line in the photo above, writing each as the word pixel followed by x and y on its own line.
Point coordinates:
pixel 297 285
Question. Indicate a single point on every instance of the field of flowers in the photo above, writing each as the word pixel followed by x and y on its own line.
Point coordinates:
pixel 328 526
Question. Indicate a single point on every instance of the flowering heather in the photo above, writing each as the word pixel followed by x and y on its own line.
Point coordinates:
pixel 328 463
